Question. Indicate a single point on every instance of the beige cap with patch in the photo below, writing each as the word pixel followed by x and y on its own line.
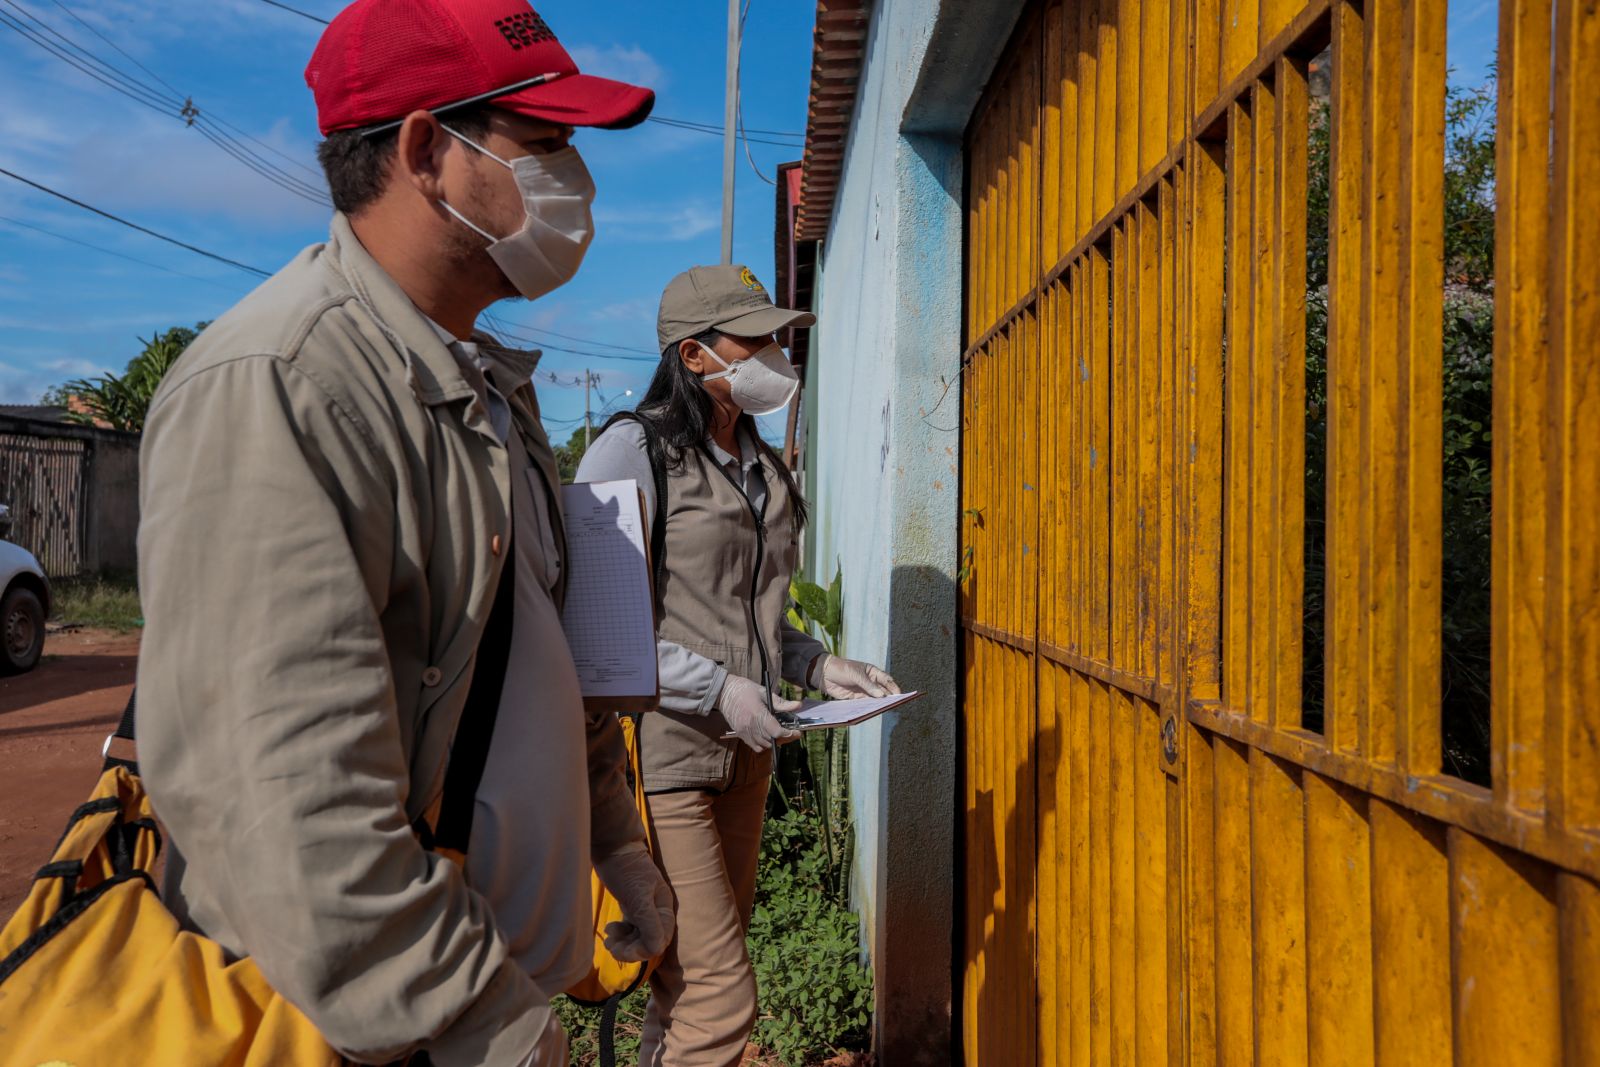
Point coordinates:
pixel 727 298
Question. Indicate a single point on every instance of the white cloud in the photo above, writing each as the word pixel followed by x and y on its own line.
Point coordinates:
pixel 659 224
pixel 628 63
pixel 625 311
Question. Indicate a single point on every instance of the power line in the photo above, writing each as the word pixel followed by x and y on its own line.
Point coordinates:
pixel 296 11
pixel 134 225
pixel 130 86
pixel 131 259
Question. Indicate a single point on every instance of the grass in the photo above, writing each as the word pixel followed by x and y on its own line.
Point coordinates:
pixel 105 602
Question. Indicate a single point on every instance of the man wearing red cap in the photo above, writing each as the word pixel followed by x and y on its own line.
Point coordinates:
pixel 339 480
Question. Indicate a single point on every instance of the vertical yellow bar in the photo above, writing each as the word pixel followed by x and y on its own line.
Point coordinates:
pixel 1278 868
pixel 1410 936
pixel 1048 863
pixel 1579 901
pixel 1178 87
pixel 1345 717
pixel 1170 398
pixel 1240 29
pixel 1029 470
pixel 1574 588
pixel 1099 398
pixel 1422 282
pixel 1129 93
pixel 1275 18
pixel 1108 134
pixel 1338 925
pixel 1380 388
pixel 1051 191
pixel 1066 173
pixel 1505 955
pixel 1206 451
pixel 1125 1009
pixel 1236 413
pixel 1081 918
pixel 1289 333
pixel 1150 887
pixel 1235 985
pixel 1088 139
pixel 1122 530
pixel 1521 367
pixel 1078 544
pixel 1101 884
pixel 1154 349
pixel 1206 78
pixel 1155 68
pixel 1200 903
pixel 1258 362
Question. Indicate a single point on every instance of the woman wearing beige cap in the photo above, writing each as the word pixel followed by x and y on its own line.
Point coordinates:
pixel 727 517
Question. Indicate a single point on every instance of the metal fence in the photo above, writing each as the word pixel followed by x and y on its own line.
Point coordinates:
pixel 45 483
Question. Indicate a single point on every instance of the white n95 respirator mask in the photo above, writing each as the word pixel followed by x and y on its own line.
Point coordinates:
pixel 760 385
pixel 557 195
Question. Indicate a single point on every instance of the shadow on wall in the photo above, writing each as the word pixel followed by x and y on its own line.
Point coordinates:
pixel 916 843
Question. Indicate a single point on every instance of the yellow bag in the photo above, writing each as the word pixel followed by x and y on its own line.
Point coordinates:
pixel 95 970
pixel 610 980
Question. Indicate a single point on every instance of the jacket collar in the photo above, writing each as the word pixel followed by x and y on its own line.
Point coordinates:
pixel 432 370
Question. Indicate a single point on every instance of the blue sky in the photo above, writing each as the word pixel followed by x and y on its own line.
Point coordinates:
pixel 68 311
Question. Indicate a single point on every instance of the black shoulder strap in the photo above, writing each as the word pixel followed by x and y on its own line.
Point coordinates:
pixel 469 753
pixel 658 522
pixel 124 733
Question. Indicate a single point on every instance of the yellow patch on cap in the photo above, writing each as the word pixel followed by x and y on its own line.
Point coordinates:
pixel 751 282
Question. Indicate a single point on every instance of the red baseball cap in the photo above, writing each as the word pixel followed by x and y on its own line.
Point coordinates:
pixel 380 60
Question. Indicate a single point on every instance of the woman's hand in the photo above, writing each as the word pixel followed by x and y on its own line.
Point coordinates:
pixel 848 679
pixel 743 704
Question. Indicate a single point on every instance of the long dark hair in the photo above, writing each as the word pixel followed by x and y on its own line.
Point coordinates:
pixel 679 410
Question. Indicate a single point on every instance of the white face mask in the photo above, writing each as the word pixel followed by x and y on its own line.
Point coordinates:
pixel 760 385
pixel 557 193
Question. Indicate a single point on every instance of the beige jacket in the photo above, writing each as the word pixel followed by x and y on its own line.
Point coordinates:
pixel 326 510
pixel 726 585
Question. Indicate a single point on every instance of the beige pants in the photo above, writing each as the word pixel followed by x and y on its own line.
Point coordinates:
pixel 703 996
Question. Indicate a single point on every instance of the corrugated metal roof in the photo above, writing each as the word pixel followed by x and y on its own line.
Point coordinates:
pixel 837 50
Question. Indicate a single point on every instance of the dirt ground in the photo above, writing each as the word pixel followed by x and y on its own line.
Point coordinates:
pixel 53 721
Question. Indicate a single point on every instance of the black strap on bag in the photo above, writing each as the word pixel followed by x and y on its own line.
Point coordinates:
pixel 124 732
pixel 658 522
pixel 469 753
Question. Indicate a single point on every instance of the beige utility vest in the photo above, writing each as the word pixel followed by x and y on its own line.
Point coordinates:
pixel 723 596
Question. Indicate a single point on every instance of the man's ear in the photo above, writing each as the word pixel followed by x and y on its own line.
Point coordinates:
pixel 693 358
pixel 419 154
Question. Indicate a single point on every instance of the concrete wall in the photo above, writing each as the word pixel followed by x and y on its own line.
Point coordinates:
pixel 884 403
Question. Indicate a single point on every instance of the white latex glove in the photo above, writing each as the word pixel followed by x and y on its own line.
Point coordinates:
pixel 848 679
pixel 646 899
pixel 743 704
pixel 551 1049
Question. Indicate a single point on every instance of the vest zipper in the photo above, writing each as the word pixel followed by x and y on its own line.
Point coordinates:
pixel 755 574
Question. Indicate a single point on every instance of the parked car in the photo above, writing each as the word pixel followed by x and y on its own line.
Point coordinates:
pixel 24 604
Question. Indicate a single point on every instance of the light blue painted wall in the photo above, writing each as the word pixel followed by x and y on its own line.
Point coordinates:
pixel 883 470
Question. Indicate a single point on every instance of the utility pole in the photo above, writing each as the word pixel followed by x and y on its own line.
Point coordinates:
pixel 730 120
pixel 588 380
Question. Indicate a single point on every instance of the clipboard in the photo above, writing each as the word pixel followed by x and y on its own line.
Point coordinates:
pixel 609 612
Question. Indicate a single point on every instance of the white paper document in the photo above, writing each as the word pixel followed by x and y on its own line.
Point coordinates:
pixel 827 714
pixel 609 616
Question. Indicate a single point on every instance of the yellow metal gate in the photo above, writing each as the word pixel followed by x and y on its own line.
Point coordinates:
pixel 1170 855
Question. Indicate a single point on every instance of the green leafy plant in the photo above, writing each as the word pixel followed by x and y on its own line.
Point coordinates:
pixel 820 761
pixel 122 401
pixel 816 997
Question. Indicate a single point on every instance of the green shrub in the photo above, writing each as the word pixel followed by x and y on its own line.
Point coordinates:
pixel 816 997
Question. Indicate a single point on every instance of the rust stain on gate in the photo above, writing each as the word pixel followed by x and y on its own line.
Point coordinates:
pixel 1165 862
